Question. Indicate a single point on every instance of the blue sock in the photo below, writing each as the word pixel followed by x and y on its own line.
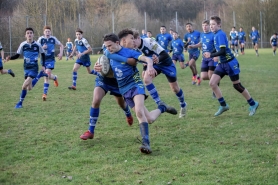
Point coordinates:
pixel 45 88
pixel 35 80
pixel 181 98
pixel 94 113
pixel 74 78
pixel 127 111
pixel 144 129
pixel 22 95
pixel 251 101
pixel 162 108
pixel 222 101
pixel 93 72
pixel 153 92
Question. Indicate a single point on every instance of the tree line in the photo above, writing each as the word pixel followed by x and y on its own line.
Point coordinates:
pixel 97 17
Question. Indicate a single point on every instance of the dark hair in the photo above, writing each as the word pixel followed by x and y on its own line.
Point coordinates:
pixel 149 31
pixel 79 30
pixel 275 33
pixel 241 27
pixel 111 37
pixel 163 26
pixel 46 27
pixel 205 22
pixel 125 32
pixel 216 19
pixel 29 29
pixel 234 27
pixel 189 23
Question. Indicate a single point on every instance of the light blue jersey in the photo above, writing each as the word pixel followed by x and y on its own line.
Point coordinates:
pixel 127 76
pixel 220 41
pixel 50 51
pixel 81 46
pixel 30 52
pixel 164 40
pixel 207 40
pixel 193 38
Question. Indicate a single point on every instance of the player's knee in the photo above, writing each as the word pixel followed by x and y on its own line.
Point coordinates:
pixel 139 113
pixel 239 87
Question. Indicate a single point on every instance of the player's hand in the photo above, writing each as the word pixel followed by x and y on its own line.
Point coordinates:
pixel 79 55
pixel 97 67
pixel 155 59
pixel 44 46
pixel 60 56
pixel 189 47
pixel 206 54
pixel 43 69
pixel 151 71
pixel 98 52
pixel 7 59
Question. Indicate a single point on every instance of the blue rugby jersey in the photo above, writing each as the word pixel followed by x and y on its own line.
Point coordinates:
pixel 177 46
pixel 50 51
pixel 81 46
pixel 207 40
pixel 164 40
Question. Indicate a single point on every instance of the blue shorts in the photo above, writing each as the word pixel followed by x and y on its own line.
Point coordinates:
pixel 230 68
pixel 169 71
pixel 208 64
pixel 274 44
pixel 1 63
pixel 234 42
pixel 177 57
pixel 194 55
pixel 69 50
pixel 254 42
pixel 241 42
pixel 114 90
pixel 30 73
pixel 49 65
pixel 128 96
pixel 84 63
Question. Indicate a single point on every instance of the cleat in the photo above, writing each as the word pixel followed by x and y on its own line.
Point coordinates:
pixel 11 72
pixel 182 112
pixel 72 88
pixel 87 135
pixel 44 97
pixel 145 148
pixel 194 80
pixel 169 109
pixel 221 110
pixel 252 109
pixel 56 81
pixel 42 74
pixel 18 105
pixel 129 120
pixel 198 81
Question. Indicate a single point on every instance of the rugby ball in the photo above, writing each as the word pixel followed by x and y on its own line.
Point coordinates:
pixel 106 68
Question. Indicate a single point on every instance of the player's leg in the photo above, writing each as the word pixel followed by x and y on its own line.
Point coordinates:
pixel 256 48
pixel 219 73
pixel 5 71
pixel 76 66
pixel 150 86
pixel 99 93
pixel 26 84
pixel 125 108
pixel 181 61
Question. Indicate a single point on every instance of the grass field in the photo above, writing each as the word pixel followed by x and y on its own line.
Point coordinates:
pixel 40 143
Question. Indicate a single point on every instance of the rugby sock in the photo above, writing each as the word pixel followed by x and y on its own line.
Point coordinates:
pixel 153 92
pixel 198 77
pixel 127 111
pixel 243 49
pixel 93 72
pixel 94 113
pixel 251 102
pixel 222 101
pixel 236 50
pixel 54 77
pixel 22 95
pixel 45 88
pixel 186 64
pixel 35 80
pixel 162 108
pixel 181 98
pixel 144 129
pixel 256 51
pixel 74 78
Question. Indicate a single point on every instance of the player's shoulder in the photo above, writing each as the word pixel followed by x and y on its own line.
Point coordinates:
pixel 37 43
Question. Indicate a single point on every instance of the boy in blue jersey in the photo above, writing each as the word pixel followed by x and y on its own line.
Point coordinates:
pixel 273 43
pixel 207 45
pixel 234 40
pixel 83 58
pixel 164 64
pixel 48 43
pixel 30 50
pixel 4 71
pixel 177 48
pixel 69 46
pixel 192 38
pixel 164 38
pixel 241 40
pixel 255 36
pixel 130 84
pixel 228 65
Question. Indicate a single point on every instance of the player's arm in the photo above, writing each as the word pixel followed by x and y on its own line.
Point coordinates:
pixel 2 54
pixel 114 56
pixel 221 52
pixel 195 46
pixel 150 69
pixel 60 55
pixel 73 51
